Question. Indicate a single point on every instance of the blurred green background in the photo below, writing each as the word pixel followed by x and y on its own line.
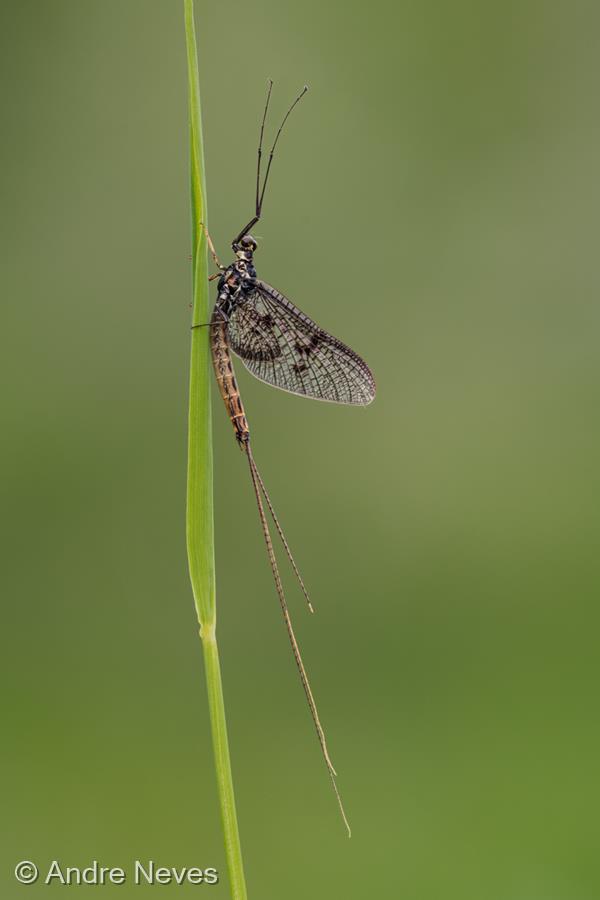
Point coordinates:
pixel 435 205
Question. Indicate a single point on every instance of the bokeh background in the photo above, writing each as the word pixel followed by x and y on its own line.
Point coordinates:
pixel 435 204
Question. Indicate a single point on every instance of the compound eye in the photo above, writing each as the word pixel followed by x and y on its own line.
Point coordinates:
pixel 248 243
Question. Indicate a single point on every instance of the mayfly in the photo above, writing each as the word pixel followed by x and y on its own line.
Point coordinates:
pixel 280 345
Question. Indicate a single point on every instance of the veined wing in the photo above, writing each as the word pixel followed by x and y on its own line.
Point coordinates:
pixel 281 345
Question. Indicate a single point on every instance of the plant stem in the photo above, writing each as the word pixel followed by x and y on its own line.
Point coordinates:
pixel 199 514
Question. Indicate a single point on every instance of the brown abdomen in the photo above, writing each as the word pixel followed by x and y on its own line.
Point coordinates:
pixel 225 375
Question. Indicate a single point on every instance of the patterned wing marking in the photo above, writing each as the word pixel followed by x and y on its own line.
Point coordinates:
pixel 282 346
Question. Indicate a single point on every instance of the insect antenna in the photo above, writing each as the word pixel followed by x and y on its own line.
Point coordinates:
pixel 258 485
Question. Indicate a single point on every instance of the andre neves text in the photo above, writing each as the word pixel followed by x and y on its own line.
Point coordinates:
pixel 140 872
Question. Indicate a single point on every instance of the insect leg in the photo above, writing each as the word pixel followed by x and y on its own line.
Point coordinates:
pixel 211 247
pixel 262 131
pixel 261 193
pixel 285 118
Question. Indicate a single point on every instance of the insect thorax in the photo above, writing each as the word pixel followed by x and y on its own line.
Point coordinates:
pixel 236 283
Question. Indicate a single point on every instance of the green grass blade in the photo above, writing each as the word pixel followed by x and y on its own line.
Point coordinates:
pixel 199 516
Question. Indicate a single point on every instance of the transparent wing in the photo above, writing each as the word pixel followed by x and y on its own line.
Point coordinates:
pixel 280 345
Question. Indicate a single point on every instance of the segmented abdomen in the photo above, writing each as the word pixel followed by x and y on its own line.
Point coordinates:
pixel 225 375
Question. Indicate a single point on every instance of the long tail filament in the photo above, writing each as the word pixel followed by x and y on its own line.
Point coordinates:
pixel 260 491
